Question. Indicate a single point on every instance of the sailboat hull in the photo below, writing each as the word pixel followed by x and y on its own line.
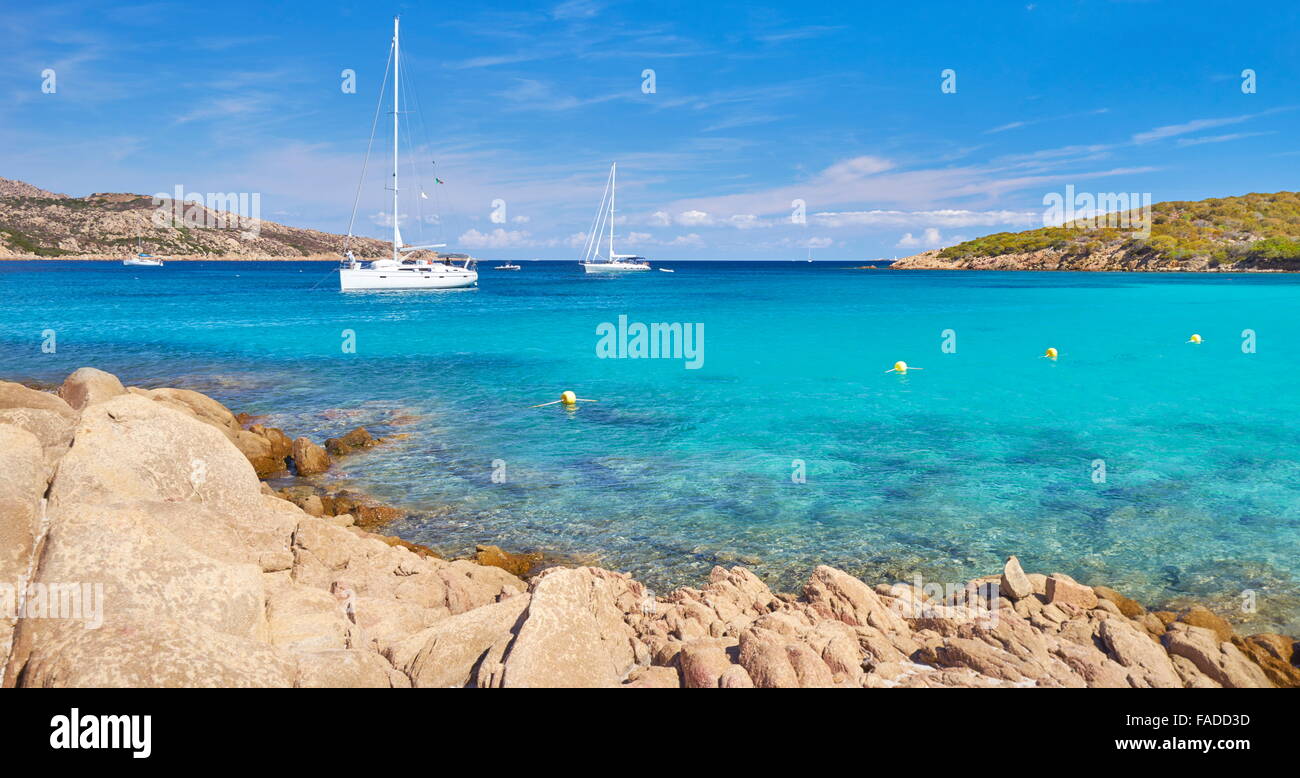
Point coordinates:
pixel 612 267
pixel 437 277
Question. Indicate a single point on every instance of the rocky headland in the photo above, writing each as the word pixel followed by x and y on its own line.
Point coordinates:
pixel 38 224
pixel 209 577
pixel 1257 232
pixel 1115 259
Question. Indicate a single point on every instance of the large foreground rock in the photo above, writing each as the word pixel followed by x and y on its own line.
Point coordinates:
pixel 147 571
pixel 196 404
pixel 157 652
pixel 23 473
pixel 130 448
pixel 464 650
pixel 14 395
pixel 574 633
pixel 88 386
pixel 1145 660
pixel 1219 660
pixel 44 415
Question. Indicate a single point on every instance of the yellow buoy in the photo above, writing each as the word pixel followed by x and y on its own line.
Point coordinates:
pixel 901 368
pixel 1194 339
pixel 568 399
pixel 1051 353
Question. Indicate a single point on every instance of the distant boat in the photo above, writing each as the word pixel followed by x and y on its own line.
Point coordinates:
pixel 141 259
pixel 396 272
pixel 506 266
pixel 664 270
pixel 591 260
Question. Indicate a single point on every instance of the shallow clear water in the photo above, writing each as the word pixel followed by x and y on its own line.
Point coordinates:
pixel 988 451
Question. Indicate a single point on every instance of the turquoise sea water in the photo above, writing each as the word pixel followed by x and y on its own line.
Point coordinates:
pixel 987 451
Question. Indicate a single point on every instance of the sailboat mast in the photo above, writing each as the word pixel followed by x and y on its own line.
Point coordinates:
pixel 397 235
pixel 613 186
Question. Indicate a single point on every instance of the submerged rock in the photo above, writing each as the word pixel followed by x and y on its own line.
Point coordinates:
pixel 1200 616
pixel 358 438
pixel 1129 608
pixel 515 564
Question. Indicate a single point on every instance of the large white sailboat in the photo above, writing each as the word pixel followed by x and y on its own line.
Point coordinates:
pixel 397 272
pixel 592 261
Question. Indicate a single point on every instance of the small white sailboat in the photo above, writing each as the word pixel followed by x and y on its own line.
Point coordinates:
pixel 506 266
pixel 450 271
pixel 142 259
pixel 591 260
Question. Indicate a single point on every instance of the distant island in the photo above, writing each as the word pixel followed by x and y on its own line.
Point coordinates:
pixel 38 224
pixel 1253 232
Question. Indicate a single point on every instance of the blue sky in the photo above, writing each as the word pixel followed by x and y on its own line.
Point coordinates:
pixel 755 105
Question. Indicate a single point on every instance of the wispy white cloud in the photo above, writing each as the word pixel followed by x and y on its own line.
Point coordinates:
pixel 798 33
pixel 1172 130
pixel 1220 138
pixel 529 94
pixel 1029 122
pixel 943 218
pixel 873 179
pixel 577 9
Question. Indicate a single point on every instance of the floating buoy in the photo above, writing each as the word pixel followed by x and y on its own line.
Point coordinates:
pixel 1051 353
pixel 568 399
pixel 901 368
pixel 1195 339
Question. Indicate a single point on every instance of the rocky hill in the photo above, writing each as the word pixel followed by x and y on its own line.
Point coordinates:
pixel 38 224
pixel 1259 232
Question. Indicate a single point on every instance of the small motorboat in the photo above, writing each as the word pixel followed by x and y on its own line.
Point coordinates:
pixel 506 266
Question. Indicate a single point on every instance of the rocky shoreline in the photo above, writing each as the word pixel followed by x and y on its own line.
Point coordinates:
pixel 1106 260
pixel 209 577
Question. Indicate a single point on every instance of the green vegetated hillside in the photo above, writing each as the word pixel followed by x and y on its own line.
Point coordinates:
pixel 1260 231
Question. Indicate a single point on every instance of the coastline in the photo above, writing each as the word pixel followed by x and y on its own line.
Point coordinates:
pixel 1049 260
pixel 184 258
pixel 155 495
